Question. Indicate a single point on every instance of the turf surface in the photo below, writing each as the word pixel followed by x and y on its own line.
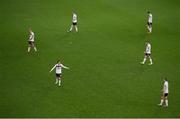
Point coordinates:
pixel 105 78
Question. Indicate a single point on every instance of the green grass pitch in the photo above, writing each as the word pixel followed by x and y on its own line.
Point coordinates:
pixel 105 77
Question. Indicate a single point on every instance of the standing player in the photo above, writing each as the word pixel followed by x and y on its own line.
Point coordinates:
pixel 31 41
pixel 58 67
pixel 165 90
pixel 147 54
pixel 149 23
pixel 74 22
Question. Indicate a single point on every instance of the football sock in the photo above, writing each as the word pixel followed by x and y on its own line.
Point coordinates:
pixel 144 60
pixel 35 49
pixel 76 28
pixel 166 101
pixel 71 28
pixel 150 60
pixel 150 30
pixel 161 101
pixel 59 82
pixel 29 49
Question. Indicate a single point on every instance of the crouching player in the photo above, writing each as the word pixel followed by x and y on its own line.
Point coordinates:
pixel 31 41
pixel 165 90
pixel 58 67
pixel 147 54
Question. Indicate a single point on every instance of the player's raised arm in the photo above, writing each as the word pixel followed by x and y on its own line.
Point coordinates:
pixel 53 68
pixel 64 66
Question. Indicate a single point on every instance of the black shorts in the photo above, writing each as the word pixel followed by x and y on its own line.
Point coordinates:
pixel 147 54
pixel 58 75
pixel 31 43
pixel 149 23
pixel 165 94
pixel 74 23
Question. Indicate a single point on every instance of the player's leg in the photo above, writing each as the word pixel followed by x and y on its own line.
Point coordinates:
pixel 147 27
pixel 29 46
pixel 144 60
pixel 71 28
pixel 56 81
pixel 166 100
pixel 59 80
pixel 162 100
pixel 35 49
pixel 150 59
pixel 76 28
pixel 150 29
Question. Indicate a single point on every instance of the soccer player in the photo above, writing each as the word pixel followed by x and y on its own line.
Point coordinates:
pixel 74 22
pixel 149 23
pixel 58 67
pixel 31 41
pixel 147 54
pixel 165 90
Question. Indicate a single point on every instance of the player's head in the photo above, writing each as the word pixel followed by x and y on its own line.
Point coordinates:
pixel 147 42
pixel 30 30
pixel 58 62
pixel 73 12
pixel 165 79
pixel 148 12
